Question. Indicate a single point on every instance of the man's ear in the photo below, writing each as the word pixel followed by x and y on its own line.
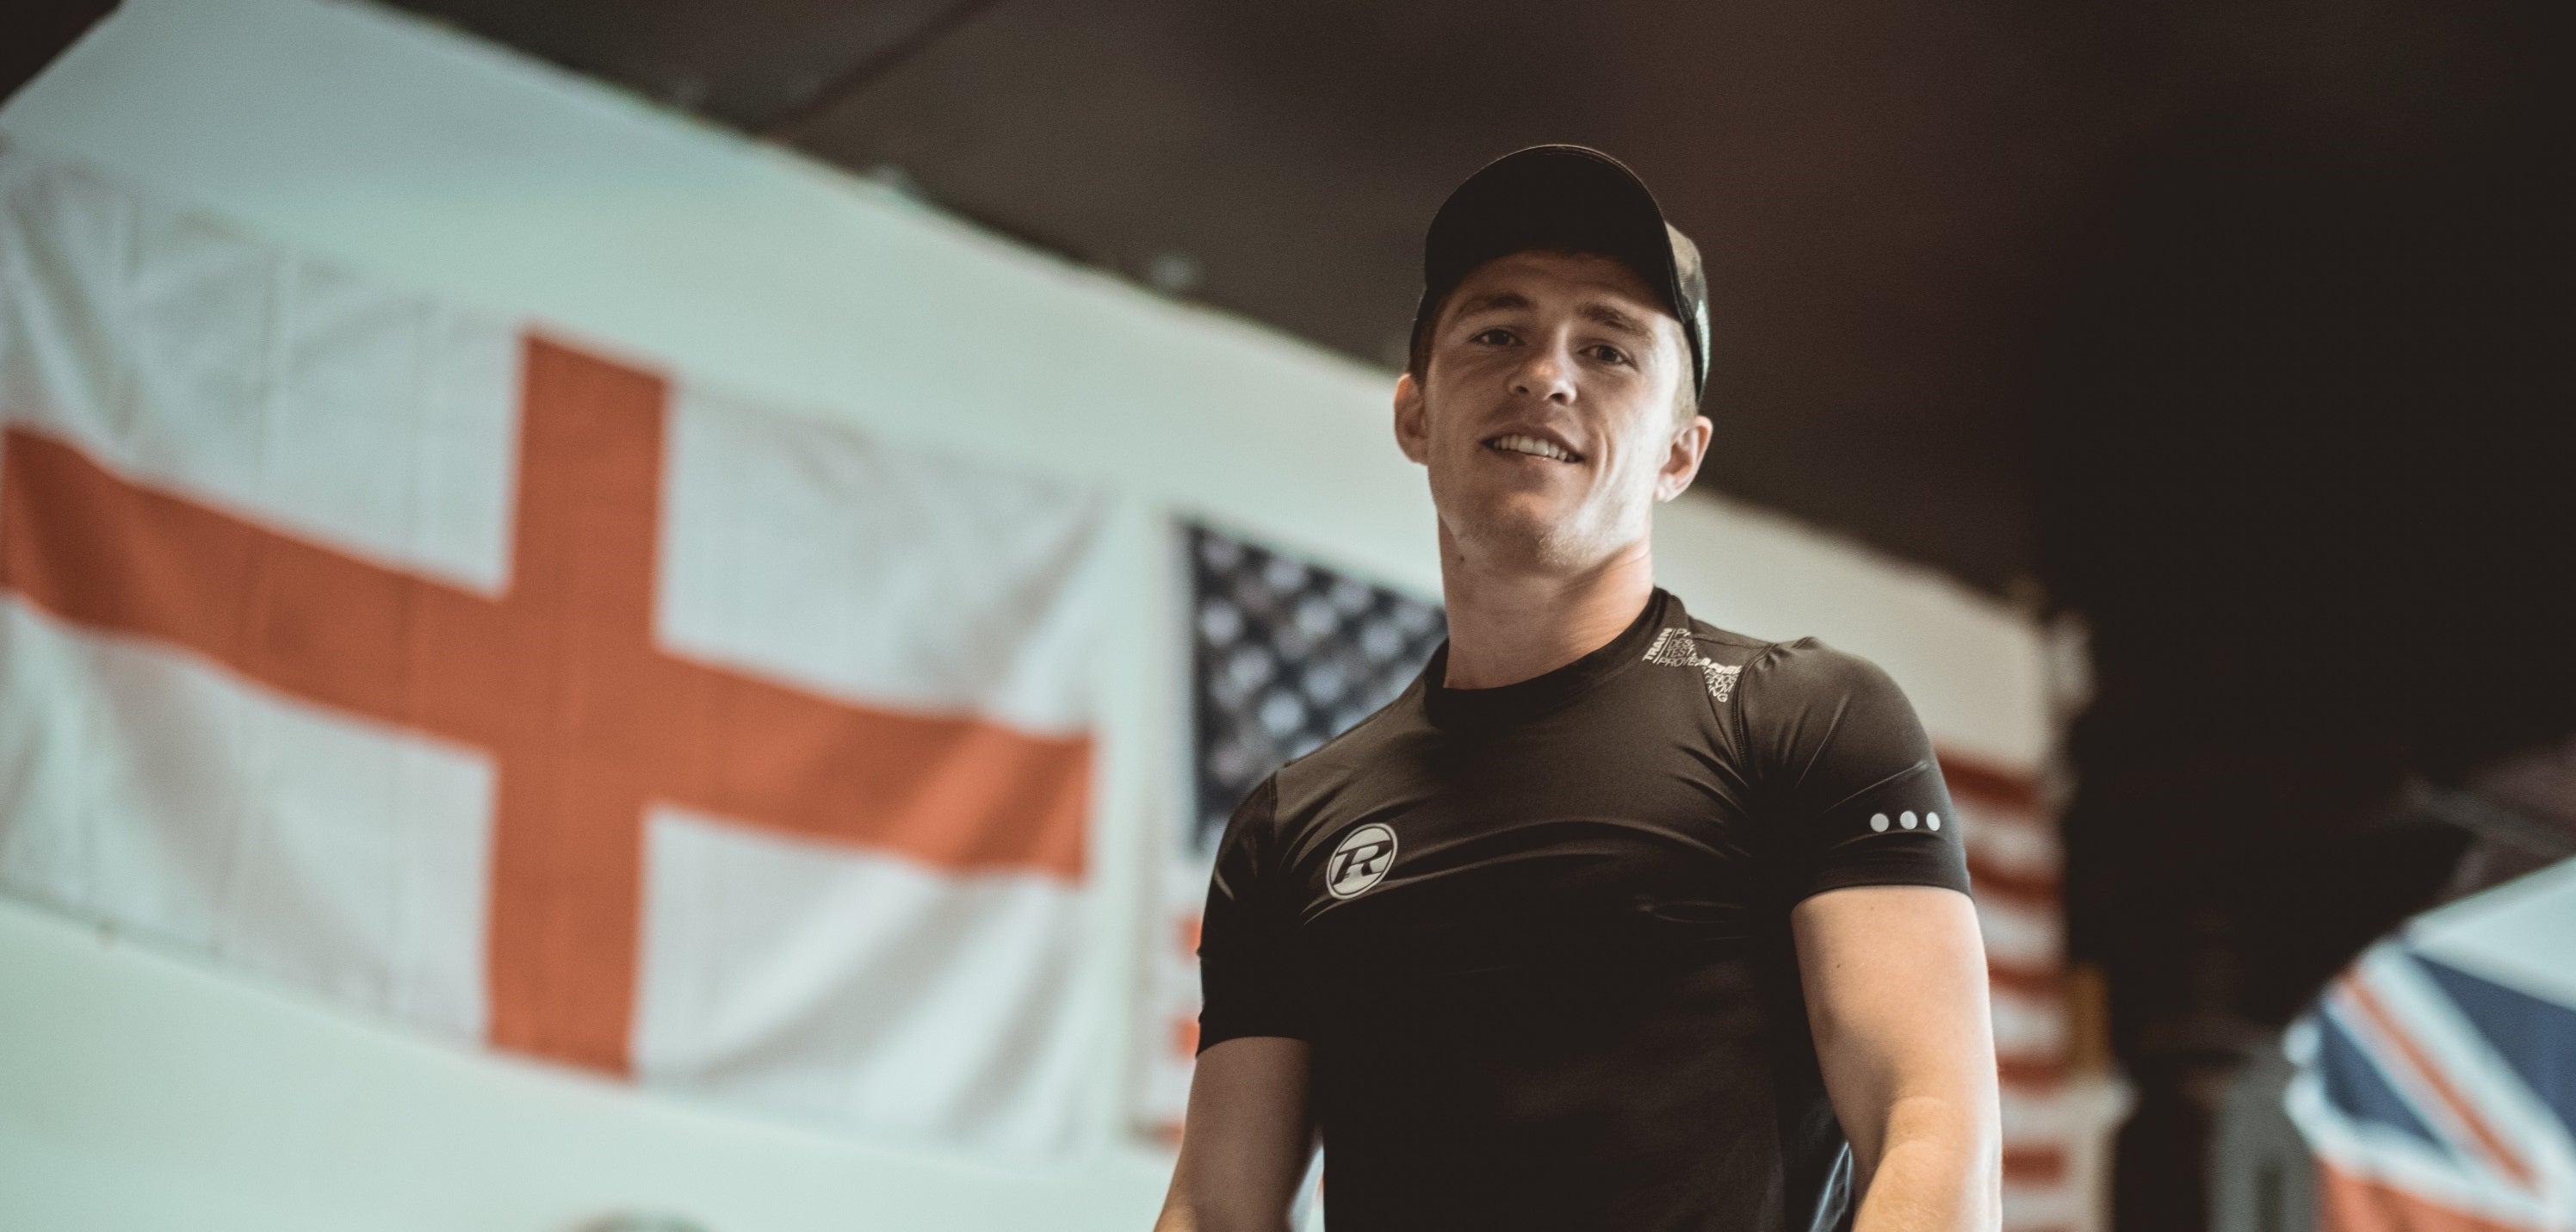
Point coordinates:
pixel 1412 426
pixel 1681 462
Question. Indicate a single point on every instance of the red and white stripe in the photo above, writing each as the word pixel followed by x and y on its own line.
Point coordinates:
pixel 2014 859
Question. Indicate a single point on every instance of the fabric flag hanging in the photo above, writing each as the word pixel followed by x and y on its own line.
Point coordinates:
pixel 530 696
pixel 2436 1078
pixel 2014 861
pixel 1285 654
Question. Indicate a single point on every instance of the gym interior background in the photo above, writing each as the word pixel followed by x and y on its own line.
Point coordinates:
pixel 2189 383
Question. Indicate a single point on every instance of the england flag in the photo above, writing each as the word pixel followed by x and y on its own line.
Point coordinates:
pixel 533 697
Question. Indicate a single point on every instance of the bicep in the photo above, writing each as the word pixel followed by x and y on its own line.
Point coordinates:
pixel 1245 1144
pixel 1895 983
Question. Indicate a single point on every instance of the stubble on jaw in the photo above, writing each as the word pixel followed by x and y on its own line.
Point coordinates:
pixel 1503 535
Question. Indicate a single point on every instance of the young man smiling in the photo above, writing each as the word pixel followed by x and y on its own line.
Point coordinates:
pixel 1614 920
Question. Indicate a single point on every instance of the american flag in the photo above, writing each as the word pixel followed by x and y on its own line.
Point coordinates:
pixel 2437 1098
pixel 1286 654
pixel 2053 1168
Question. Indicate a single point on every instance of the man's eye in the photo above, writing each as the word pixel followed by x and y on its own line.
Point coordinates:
pixel 1607 354
pixel 1492 337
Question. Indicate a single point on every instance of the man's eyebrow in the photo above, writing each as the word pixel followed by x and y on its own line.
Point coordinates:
pixel 1494 302
pixel 1611 318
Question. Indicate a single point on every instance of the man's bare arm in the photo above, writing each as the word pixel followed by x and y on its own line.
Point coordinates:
pixel 1895 978
pixel 1244 1148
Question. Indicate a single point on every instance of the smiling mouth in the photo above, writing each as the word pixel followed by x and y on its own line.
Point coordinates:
pixel 1533 447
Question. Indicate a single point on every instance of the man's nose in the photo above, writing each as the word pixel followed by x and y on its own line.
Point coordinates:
pixel 1547 373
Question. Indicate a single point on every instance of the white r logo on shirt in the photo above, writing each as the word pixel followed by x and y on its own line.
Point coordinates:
pixel 1360 861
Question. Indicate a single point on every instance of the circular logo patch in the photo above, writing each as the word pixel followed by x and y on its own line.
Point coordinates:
pixel 1360 861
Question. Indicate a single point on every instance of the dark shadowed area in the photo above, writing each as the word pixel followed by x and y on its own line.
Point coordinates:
pixel 2303 430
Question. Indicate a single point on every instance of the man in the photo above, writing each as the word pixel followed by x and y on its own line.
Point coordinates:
pixel 1613 920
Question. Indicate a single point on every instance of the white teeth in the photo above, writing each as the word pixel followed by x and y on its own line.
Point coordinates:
pixel 1517 443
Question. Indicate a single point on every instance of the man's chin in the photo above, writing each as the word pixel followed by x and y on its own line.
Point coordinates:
pixel 1523 515
pixel 1523 529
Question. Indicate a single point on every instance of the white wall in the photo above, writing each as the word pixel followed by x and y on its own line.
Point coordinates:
pixel 138 1093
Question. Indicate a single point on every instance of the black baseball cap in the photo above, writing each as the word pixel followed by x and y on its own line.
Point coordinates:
pixel 1571 197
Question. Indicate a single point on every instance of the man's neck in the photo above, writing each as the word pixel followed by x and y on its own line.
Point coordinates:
pixel 1507 625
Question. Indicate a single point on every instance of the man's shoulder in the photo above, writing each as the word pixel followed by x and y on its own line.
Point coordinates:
pixel 1809 665
pixel 1801 668
pixel 1804 660
pixel 1735 647
pixel 1788 686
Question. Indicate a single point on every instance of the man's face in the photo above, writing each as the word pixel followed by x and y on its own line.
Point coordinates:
pixel 1548 411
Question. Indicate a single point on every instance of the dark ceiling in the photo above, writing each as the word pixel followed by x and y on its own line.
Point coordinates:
pixel 1875 183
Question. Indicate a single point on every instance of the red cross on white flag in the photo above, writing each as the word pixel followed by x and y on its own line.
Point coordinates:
pixel 531 695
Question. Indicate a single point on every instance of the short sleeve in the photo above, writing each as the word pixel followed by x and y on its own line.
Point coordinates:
pixel 1850 780
pixel 1247 973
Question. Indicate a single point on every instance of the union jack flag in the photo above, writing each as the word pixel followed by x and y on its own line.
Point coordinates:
pixel 2442 1098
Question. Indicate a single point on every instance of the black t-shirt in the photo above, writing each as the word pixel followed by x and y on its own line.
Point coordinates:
pixel 1537 936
